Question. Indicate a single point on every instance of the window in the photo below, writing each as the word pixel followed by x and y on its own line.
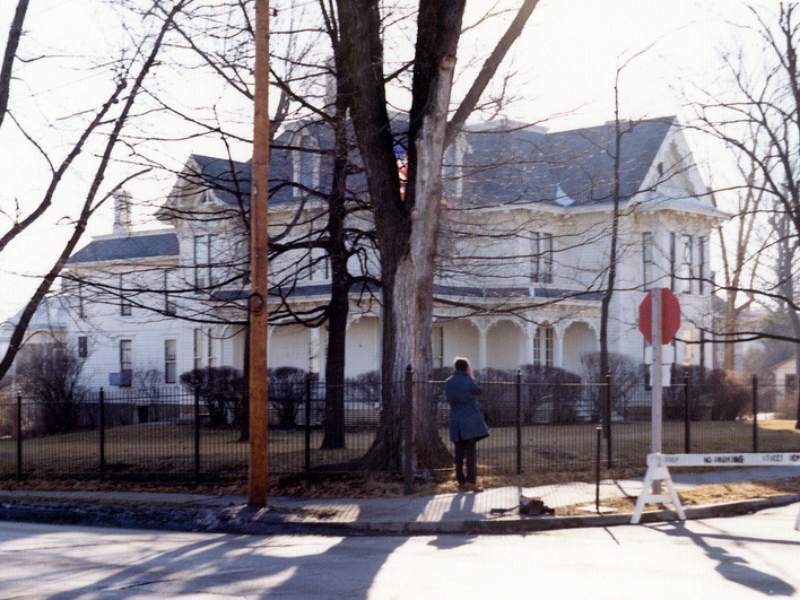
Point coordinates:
pixel 672 257
pixel 169 305
pixel 688 345
pixel 212 349
pixel 204 252
pixel 703 349
pixel 647 259
pixel 306 159
pixel 542 257
pixel 437 345
pixel 125 355
pixel 83 346
pixel 544 346
pixel 701 264
pixel 124 303
pixel 198 348
pixel 687 265
pixel 170 361
pixel 81 307
pixel 318 265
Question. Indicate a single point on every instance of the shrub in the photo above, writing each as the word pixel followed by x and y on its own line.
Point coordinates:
pixel 730 398
pixel 287 392
pixel 547 395
pixel 50 373
pixel 222 390
pixel 626 380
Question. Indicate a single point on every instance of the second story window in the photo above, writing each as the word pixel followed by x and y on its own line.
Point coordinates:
pixel 647 259
pixel 169 305
pixel 125 307
pixel 701 264
pixel 687 264
pixel 83 346
pixel 203 254
pixel 81 305
pixel 672 259
pixel 542 257
pixel 319 265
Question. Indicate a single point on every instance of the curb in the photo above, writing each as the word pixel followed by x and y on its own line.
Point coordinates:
pixel 246 520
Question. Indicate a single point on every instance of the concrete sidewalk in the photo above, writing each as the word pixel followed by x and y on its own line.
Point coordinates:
pixel 494 510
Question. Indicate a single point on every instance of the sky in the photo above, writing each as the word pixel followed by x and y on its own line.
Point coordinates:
pixel 565 66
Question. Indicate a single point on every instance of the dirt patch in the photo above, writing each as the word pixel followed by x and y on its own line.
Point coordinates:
pixel 696 496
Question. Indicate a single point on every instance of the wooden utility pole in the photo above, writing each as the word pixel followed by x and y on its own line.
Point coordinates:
pixel 257 490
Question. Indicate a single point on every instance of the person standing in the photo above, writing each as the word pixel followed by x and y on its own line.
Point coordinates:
pixel 467 426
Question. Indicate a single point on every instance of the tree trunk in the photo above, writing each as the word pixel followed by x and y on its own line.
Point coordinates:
pixel 339 305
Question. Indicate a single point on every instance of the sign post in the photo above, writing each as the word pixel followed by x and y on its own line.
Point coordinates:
pixel 659 321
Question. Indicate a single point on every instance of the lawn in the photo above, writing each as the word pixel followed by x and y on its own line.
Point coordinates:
pixel 166 451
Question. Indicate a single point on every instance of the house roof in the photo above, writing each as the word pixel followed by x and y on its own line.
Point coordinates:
pixel 229 179
pixel 568 168
pixel 505 164
pixel 129 247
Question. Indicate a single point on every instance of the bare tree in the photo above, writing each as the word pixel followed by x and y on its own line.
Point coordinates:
pixel 759 120
pixel 106 124
pixel 407 224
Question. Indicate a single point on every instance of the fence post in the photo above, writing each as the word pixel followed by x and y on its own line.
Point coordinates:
pixel 608 421
pixel 197 435
pixel 307 439
pixel 599 451
pixel 687 417
pixel 519 421
pixel 755 413
pixel 19 437
pixel 102 418
pixel 408 435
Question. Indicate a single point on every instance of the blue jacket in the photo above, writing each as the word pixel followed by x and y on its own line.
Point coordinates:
pixel 466 419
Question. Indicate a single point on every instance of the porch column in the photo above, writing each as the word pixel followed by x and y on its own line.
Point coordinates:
pixel 558 346
pixel 482 347
pixel 530 331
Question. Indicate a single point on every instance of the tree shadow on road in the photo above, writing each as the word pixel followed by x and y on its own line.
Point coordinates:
pixel 241 566
pixel 735 568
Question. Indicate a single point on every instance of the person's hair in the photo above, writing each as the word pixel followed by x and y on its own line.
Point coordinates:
pixel 461 364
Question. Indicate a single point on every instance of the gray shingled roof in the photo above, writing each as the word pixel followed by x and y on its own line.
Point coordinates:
pixel 129 247
pixel 229 179
pixel 529 166
pixel 502 166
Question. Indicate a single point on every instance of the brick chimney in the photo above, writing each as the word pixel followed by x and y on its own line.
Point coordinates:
pixel 122 212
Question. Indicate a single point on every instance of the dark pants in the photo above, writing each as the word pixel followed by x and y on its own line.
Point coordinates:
pixel 467 449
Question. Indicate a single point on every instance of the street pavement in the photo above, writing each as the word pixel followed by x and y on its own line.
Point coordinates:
pixel 494 510
pixel 744 557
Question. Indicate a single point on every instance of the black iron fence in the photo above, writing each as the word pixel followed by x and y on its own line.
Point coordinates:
pixel 180 436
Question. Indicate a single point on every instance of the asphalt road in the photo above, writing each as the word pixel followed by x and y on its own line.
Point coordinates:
pixel 739 557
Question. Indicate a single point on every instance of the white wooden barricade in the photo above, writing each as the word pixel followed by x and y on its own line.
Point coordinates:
pixel 658 474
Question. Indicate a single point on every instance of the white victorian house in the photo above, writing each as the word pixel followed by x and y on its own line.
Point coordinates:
pixel 523 257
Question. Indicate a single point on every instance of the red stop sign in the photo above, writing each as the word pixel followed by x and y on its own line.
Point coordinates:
pixel 670 316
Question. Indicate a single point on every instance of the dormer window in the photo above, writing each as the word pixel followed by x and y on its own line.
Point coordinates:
pixel 306 162
pixel 453 166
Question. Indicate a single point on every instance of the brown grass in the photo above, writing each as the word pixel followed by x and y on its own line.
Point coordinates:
pixel 551 454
